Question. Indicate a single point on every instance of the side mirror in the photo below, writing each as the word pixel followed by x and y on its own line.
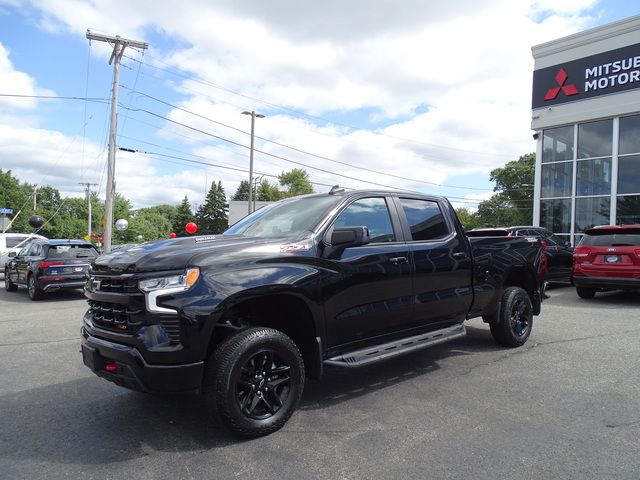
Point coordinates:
pixel 12 254
pixel 349 237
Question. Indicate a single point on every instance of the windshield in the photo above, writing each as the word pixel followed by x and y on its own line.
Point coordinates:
pixel 286 218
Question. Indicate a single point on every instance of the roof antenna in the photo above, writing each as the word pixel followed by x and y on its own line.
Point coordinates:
pixel 335 190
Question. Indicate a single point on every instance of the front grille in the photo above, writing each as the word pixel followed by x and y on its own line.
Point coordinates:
pixel 117 285
pixel 114 316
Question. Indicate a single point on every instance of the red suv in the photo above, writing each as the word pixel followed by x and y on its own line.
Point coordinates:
pixel 607 258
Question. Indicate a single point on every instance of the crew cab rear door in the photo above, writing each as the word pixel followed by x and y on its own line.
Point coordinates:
pixel 442 286
pixel 369 294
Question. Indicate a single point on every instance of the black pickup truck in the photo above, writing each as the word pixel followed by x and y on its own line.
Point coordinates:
pixel 341 279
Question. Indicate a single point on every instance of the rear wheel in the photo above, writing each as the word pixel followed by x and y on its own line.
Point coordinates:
pixel 35 292
pixel 516 318
pixel 254 381
pixel 586 292
pixel 9 286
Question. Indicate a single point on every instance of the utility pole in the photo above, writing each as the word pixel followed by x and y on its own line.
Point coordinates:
pixel 119 44
pixel 253 121
pixel 35 193
pixel 88 190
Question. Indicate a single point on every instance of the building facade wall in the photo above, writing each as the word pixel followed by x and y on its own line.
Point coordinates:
pixel 588 149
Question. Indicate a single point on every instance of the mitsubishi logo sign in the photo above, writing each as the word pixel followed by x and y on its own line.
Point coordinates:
pixel 561 78
pixel 588 77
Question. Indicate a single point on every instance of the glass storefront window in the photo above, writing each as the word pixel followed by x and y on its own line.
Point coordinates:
pixel 595 139
pixel 557 144
pixel 555 215
pixel 593 177
pixel 629 135
pixel 628 210
pixel 629 174
pixel 591 212
pixel 557 179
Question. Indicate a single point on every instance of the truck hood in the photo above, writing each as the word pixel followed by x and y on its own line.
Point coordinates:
pixel 178 253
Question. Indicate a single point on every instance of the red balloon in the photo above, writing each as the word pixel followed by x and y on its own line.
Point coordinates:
pixel 100 238
pixel 172 235
pixel 191 227
pixel 93 235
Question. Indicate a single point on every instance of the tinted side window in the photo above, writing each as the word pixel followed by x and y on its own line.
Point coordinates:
pixel 425 219
pixel 371 213
pixel 25 249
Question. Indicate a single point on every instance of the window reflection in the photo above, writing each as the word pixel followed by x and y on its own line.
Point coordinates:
pixel 591 212
pixel 594 177
pixel 555 215
pixel 628 210
pixel 557 179
pixel 557 144
pixel 595 139
pixel 629 135
pixel 629 174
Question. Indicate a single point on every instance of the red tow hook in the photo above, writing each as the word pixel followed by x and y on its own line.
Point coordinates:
pixel 111 367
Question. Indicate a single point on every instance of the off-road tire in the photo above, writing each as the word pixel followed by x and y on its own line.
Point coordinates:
pixel 586 292
pixel 516 318
pixel 9 286
pixel 237 398
pixel 34 291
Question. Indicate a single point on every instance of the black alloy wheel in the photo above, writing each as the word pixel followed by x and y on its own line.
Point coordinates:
pixel 264 385
pixel 519 316
pixel 515 318
pixel 254 381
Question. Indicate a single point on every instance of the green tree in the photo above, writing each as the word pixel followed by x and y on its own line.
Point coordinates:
pixel 183 216
pixel 467 218
pixel 242 193
pixel 149 223
pixel 15 195
pixel 513 202
pixel 296 182
pixel 213 214
pixel 267 192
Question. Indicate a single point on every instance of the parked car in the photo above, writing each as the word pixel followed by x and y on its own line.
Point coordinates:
pixel 343 279
pixel 607 258
pixel 559 252
pixel 44 265
pixel 13 243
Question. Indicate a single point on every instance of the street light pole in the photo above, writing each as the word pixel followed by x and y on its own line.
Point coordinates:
pixel 253 121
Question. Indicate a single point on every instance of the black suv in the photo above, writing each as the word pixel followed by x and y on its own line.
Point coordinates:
pixel 559 252
pixel 45 265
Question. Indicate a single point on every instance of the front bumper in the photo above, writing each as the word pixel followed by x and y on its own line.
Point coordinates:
pixel 613 283
pixel 132 371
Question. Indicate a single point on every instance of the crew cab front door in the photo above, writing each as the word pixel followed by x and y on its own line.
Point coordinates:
pixel 368 293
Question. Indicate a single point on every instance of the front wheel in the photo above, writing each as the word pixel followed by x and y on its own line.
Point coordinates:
pixel 9 286
pixel 516 318
pixel 586 292
pixel 254 381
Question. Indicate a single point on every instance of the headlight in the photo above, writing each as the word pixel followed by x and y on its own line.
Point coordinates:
pixel 185 281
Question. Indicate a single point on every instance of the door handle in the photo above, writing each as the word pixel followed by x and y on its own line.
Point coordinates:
pixel 460 255
pixel 398 260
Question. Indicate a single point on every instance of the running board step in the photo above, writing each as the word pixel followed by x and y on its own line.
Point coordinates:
pixel 397 347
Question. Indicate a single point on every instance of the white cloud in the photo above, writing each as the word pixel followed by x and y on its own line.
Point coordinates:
pixel 464 65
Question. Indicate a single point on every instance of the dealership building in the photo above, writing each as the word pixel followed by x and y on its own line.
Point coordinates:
pixel 586 120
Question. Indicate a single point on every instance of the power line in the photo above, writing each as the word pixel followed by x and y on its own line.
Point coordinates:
pixel 265 153
pixel 54 97
pixel 302 114
pixel 305 152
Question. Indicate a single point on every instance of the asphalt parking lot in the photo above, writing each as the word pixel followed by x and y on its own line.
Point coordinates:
pixel 564 406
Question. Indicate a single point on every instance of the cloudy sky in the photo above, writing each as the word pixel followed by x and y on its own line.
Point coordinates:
pixel 410 94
